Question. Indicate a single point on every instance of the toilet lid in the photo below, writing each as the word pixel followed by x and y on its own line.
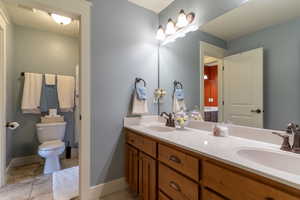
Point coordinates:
pixel 51 145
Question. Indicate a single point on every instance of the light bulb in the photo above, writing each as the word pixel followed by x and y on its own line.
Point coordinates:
pixel 61 19
pixel 205 77
pixel 170 30
pixel 182 20
pixel 160 35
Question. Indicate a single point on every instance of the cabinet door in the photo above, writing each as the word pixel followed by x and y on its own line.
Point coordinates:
pixel 131 164
pixel 147 177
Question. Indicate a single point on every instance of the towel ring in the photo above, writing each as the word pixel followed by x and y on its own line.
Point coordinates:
pixel 137 80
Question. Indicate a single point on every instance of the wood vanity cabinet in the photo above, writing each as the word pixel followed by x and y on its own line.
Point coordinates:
pixel 147 177
pixel 157 170
pixel 131 167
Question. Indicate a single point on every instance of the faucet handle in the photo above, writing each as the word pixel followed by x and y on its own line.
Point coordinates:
pixel 286 143
pixel 292 127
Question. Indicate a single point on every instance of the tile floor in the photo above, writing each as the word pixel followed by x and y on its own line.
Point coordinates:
pixel 29 183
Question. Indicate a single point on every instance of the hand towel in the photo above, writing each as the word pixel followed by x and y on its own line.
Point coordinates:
pixel 32 93
pixel 50 79
pixel 141 92
pixel 139 107
pixel 49 96
pixel 66 92
pixel 178 105
pixel 179 94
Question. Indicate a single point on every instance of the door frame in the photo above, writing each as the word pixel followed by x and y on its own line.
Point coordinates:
pixel 3 23
pixel 207 49
pixel 80 9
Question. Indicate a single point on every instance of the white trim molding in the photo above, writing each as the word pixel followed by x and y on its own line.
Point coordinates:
pixel 105 189
pixel 80 9
pixel 3 60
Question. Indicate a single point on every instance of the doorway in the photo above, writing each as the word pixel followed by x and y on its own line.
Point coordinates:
pixel 211 82
pixel 82 11
pixel 211 89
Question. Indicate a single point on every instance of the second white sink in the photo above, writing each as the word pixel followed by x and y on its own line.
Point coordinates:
pixel 160 128
pixel 282 161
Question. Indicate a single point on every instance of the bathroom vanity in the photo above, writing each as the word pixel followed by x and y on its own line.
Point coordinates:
pixel 168 164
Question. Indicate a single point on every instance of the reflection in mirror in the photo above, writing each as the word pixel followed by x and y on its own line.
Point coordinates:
pixel 241 67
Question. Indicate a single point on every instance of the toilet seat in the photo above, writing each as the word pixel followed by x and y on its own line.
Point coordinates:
pixel 51 145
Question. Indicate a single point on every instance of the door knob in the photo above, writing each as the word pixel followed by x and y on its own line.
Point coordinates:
pixel 258 111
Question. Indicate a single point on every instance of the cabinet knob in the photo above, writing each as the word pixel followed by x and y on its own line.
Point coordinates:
pixel 175 186
pixel 175 159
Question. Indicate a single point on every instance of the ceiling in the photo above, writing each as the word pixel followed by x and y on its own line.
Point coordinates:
pixel 251 17
pixel 25 16
pixel 155 5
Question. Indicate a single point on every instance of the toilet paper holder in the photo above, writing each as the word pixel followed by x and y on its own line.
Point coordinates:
pixel 12 125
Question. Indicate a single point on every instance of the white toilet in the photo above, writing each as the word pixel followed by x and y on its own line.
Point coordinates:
pixel 51 136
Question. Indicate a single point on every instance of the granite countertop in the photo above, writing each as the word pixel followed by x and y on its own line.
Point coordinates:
pixel 223 149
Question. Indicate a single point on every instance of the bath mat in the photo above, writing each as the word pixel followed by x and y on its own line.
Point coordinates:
pixel 66 184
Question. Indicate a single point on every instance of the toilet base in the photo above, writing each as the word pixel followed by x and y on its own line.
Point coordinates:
pixel 52 164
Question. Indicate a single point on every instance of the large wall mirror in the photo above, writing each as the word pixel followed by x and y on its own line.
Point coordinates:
pixel 241 67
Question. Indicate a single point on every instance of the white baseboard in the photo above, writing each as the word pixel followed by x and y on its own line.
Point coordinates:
pixel 105 189
pixel 27 160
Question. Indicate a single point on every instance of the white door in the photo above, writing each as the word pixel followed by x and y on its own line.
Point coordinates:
pixel 243 88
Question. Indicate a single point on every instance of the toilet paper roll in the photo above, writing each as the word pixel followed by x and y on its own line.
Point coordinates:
pixel 12 125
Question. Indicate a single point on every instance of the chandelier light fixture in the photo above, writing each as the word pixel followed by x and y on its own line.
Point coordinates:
pixel 185 24
pixel 61 19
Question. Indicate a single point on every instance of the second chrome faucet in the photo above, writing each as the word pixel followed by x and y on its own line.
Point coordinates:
pixel 293 129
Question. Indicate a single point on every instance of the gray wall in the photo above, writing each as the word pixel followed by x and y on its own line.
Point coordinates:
pixel 281 45
pixel 40 52
pixel 180 60
pixel 10 107
pixel 123 47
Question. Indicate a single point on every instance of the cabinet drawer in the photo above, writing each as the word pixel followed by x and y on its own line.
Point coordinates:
pixel 208 195
pixel 161 196
pixel 177 186
pixel 142 143
pixel 182 162
pixel 133 139
pixel 236 186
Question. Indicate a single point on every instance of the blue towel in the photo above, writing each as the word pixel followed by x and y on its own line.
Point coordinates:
pixel 141 92
pixel 49 97
pixel 179 94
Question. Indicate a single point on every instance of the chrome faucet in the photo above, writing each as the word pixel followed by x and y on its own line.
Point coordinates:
pixel 293 129
pixel 170 119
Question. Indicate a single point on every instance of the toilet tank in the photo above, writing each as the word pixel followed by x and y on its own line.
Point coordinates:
pixel 51 131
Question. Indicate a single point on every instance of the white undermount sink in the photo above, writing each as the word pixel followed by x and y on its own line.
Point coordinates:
pixel 160 128
pixel 286 162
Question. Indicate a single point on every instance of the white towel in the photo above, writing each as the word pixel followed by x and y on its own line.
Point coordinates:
pixel 178 105
pixel 139 107
pixel 66 92
pixel 50 79
pixel 32 93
